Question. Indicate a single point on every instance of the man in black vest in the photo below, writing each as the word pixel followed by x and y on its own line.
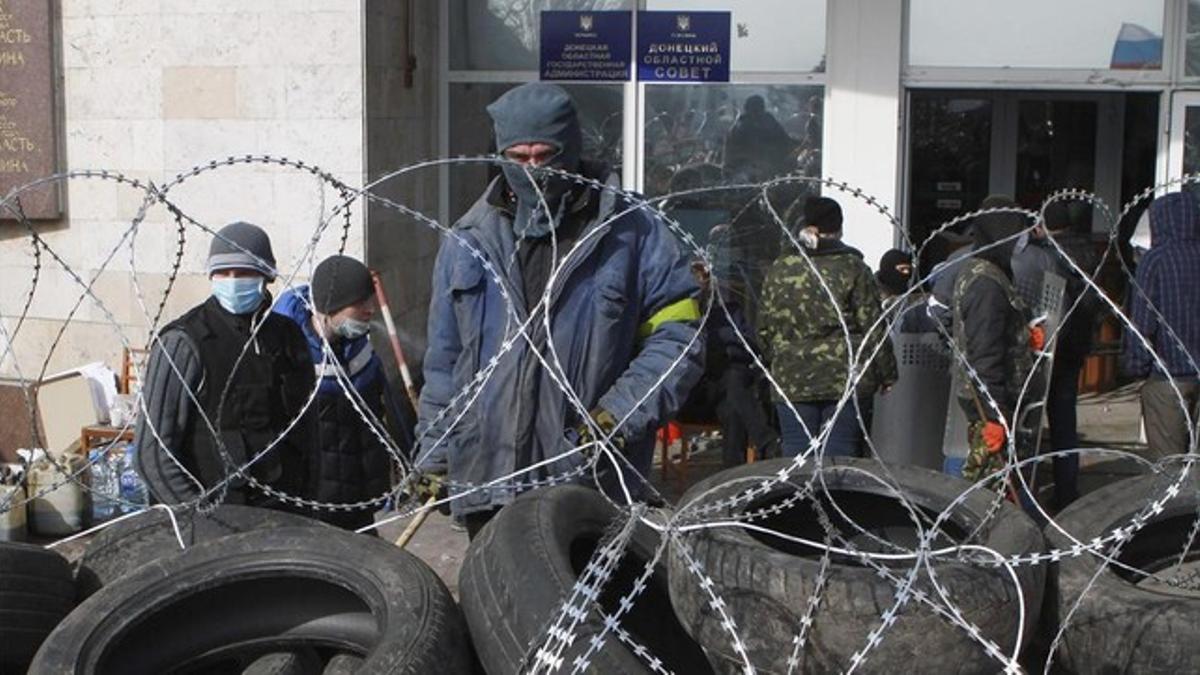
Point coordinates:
pixel 224 387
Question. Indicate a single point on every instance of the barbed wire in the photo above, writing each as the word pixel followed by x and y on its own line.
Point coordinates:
pixel 803 481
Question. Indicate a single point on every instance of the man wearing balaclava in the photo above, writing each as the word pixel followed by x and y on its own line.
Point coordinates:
pixel 223 383
pixel 991 333
pixel 552 235
pixel 356 407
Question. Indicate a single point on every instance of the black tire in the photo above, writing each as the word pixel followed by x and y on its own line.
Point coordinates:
pixel 342 664
pixel 36 593
pixel 130 544
pixel 226 602
pixel 766 582
pixel 296 662
pixel 523 566
pixel 1120 626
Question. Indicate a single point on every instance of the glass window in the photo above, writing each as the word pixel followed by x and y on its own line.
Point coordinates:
pixel 1116 34
pixel 768 35
pixel 600 108
pixel 951 137
pixel 1056 148
pixel 733 138
pixel 1192 65
pixel 503 34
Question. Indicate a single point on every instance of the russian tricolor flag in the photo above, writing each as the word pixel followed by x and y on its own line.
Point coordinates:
pixel 1137 49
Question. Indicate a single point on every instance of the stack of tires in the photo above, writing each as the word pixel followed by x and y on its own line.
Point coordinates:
pixel 1132 603
pixel 815 574
pixel 255 591
pixel 521 582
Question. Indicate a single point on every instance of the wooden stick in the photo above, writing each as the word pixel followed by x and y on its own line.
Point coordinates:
pixel 416 523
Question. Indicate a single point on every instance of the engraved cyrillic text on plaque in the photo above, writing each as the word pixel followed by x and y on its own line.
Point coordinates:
pixel 27 119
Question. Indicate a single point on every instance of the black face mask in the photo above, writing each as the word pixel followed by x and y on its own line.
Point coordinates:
pixel 538 112
pixel 546 189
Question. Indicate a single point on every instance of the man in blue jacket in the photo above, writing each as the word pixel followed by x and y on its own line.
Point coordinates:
pixel 350 464
pixel 1165 308
pixel 561 312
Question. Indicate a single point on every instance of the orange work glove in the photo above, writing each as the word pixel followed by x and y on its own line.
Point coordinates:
pixel 1037 338
pixel 993 436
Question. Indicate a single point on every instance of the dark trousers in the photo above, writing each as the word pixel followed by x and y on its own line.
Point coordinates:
pixel 845 438
pixel 1166 423
pixel 1061 411
pixel 731 397
pixel 476 520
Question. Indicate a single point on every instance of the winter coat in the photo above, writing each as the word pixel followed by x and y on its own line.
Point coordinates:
pixel 349 463
pixel 623 322
pixel 989 328
pixel 800 331
pixel 1168 278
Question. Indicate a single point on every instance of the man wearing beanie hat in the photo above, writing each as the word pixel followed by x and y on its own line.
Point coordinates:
pixel 349 464
pixel 990 330
pixel 224 383
pixel 577 268
pixel 807 296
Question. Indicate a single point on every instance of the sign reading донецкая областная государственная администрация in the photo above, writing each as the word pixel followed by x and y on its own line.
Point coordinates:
pixel 585 45
pixel 27 118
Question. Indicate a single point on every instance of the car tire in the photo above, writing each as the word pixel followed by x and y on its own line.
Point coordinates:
pixel 224 603
pixel 523 566
pixel 36 593
pixel 765 583
pixel 129 544
pixel 1126 623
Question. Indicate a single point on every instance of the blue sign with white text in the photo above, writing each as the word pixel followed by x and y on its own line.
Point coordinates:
pixel 586 45
pixel 683 46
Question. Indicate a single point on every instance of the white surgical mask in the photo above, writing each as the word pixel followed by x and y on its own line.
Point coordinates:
pixel 238 295
pixel 351 328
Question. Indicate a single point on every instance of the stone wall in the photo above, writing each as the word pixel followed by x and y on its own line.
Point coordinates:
pixel 151 88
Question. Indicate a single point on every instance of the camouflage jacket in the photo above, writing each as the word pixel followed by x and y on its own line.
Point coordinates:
pixel 989 328
pixel 800 331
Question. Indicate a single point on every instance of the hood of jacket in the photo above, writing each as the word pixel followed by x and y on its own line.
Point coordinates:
pixel 989 228
pixel 538 112
pixel 1174 217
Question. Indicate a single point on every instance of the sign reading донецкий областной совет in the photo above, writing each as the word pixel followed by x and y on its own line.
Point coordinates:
pixel 683 46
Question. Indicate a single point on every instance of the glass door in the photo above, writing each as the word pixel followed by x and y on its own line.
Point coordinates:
pixel 1183 154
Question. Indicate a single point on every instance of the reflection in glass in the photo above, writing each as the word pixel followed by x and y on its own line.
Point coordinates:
pixel 737 136
pixel 1106 34
pixel 599 106
pixel 1056 148
pixel 1192 59
pixel 761 42
pixel 503 34
pixel 951 138
pixel 1191 147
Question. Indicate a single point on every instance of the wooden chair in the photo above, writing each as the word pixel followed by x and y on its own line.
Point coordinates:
pixel 133 361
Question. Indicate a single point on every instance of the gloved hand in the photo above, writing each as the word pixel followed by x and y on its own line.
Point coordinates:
pixel 426 486
pixel 1037 337
pixel 993 436
pixel 606 422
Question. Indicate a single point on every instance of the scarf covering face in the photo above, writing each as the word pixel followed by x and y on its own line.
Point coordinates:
pixel 538 112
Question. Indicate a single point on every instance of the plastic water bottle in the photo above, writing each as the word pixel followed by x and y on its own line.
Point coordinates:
pixel 104 487
pixel 133 490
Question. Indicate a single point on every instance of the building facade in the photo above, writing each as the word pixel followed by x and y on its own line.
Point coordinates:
pixel 925 106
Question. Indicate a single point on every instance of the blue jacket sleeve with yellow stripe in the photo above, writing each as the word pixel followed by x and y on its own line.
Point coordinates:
pixel 670 360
